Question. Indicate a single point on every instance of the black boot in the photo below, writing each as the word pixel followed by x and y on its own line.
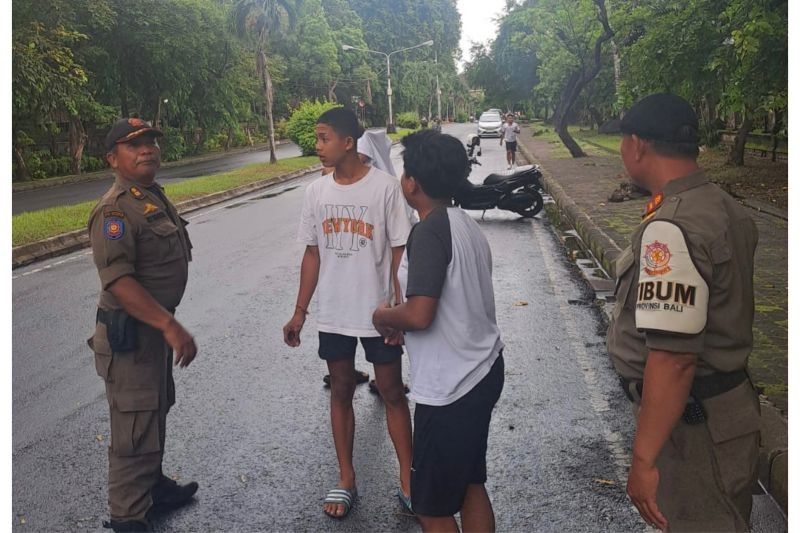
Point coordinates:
pixel 168 495
pixel 127 525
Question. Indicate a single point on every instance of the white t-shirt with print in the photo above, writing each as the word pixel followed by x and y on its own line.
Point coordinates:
pixel 509 131
pixel 355 228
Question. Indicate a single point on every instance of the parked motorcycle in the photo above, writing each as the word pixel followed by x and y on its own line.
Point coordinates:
pixel 518 190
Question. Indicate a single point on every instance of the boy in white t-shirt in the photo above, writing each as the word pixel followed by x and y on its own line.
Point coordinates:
pixel 354 226
pixel 452 339
pixel 508 133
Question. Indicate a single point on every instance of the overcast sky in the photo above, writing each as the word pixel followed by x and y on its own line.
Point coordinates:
pixel 477 22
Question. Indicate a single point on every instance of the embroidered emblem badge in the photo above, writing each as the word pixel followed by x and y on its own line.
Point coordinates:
pixel 656 258
pixel 150 208
pixel 113 228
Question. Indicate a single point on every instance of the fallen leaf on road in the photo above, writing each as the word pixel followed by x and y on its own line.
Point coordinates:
pixel 605 481
pixel 22 520
pixel 521 303
pixel 243 478
pixel 100 438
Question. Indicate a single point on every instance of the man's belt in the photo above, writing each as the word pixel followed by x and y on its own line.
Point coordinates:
pixel 106 316
pixel 121 329
pixel 703 387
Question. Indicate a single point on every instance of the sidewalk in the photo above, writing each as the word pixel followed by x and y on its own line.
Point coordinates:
pixel 581 188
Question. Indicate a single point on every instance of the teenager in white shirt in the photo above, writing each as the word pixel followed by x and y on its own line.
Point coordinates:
pixel 354 226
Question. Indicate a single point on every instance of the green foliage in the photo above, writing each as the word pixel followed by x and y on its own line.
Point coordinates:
pixel 462 116
pixel 301 125
pixel 280 129
pixel 173 145
pixel 408 120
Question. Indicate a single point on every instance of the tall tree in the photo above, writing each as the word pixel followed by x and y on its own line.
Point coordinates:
pixel 261 21
pixel 572 50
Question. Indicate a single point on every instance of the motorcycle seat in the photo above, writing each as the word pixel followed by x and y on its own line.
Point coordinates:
pixel 498 177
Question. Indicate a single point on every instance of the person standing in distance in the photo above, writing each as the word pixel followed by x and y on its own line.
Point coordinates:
pixel 142 251
pixel 508 133
pixel 681 331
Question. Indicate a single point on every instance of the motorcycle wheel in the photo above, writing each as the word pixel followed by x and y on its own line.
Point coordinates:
pixel 536 205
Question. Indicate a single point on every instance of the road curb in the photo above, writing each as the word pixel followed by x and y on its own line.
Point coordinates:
pixel 601 245
pixel 773 457
pixel 75 240
pixel 106 173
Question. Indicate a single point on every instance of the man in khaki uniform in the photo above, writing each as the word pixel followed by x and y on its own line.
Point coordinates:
pixel 681 331
pixel 142 253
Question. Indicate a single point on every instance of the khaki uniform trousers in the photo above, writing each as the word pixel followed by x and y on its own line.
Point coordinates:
pixel 140 390
pixel 709 472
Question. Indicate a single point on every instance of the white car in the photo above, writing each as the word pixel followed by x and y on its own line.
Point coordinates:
pixel 489 125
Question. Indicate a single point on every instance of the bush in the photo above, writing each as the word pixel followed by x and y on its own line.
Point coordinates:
pixel 301 125
pixel 280 129
pixel 408 120
pixel 92 164
pixel 173 145
pixel 462 116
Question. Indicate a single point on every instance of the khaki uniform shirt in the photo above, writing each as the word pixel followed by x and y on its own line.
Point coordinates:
pixel 685 284
pixel 136 231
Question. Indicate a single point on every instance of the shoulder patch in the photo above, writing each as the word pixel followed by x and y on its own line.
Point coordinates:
pixel 113 228
pixel 150 208
pixel 672 296
pixel 137 193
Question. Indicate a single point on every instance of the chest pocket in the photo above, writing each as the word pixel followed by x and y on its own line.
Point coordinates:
pixel 160 243
pixel 625 275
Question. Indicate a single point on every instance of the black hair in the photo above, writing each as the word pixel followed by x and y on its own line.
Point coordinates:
pixel 437 161
pixel 343 121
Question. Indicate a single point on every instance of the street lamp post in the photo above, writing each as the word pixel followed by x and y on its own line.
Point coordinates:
pixel 390 127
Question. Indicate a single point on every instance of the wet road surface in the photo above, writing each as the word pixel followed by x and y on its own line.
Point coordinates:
pixel 75 193
pixel 251 419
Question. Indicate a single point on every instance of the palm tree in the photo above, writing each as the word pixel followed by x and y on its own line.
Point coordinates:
pixel 260 20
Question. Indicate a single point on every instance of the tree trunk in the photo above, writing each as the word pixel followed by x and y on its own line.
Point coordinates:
pixel 569 94
pixel 736 157
pixel 617 76
pixel 22 168
pixel 77 142
pixel 266 85
pixel 596 116
pixel 331 93
pixel 776 127
pixel 228 139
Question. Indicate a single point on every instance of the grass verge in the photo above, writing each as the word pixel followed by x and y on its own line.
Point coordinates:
pixel 37 225
pixel 400 133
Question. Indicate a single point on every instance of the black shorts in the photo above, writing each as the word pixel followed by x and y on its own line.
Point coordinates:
pixel 450 446
pixel 333 347
pixel 511 146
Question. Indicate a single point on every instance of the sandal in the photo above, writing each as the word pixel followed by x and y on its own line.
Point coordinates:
pixel 344 497
pixel 405 501
pixel 361 377
pixel 373 388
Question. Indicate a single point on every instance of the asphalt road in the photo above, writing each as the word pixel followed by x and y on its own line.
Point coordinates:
pixel 251 419
pixel 75 193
